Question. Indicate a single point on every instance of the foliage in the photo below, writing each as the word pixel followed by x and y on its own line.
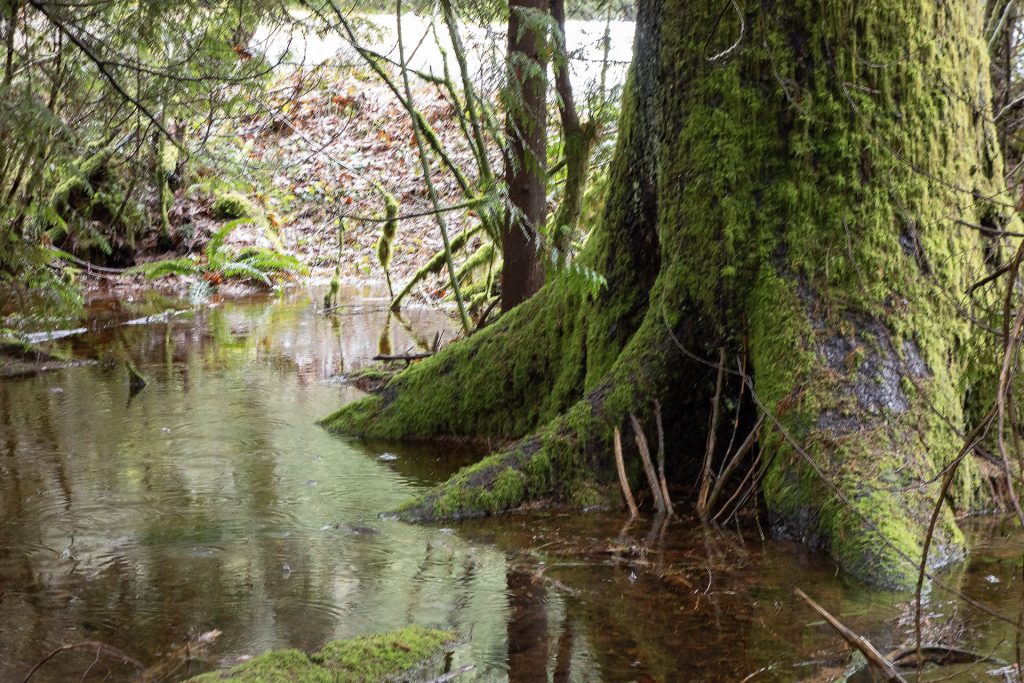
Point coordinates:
pixel 220 261
pixel 234 205
pixel 100 104
pixel 368 658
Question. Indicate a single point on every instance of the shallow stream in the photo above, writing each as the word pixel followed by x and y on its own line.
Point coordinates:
pixel 211 500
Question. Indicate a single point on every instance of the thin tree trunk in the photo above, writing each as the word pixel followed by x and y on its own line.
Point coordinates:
pixel 428 179
pixel 526 157
pixel 578 142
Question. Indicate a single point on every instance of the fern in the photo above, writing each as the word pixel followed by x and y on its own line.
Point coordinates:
pixel 246 271
pixel 217 239
pixel 157 269
pixel 269 261
pixel 577 277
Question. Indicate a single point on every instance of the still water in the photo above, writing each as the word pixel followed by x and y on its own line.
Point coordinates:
pixel 210 500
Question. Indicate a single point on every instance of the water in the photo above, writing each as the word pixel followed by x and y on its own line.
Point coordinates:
pixel 210 500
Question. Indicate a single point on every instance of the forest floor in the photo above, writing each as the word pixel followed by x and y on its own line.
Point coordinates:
pixel 309 165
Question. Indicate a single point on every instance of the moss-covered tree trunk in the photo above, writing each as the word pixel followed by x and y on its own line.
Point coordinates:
pixel 787 185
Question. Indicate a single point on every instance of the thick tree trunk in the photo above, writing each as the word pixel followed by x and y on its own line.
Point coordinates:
pixel 787 185
pixel 526 157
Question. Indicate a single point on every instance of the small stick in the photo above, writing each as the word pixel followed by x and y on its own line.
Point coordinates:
pixel 661 459
pixel 100 647
pixel 621 467
pixel 873 656
pixel 705 476
pixel 407 357
pixel 741 489
pixel 747 444
pixel 645 457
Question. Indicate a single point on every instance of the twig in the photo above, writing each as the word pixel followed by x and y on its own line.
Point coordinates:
pixel 427 178
pixel 661 459
pixel 645 457
pixel 939 654
pixel 739 39
pixel 621 467
pixel 407 357
pixel 100 647
pixel 741 490
pixel 873 656
pixel 709 453
pixel 741 452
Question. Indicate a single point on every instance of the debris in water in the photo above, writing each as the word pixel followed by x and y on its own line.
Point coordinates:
pixel 387 457
pixel 992 579
pixel 136 382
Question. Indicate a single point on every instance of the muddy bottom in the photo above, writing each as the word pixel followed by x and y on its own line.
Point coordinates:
pixel 210 500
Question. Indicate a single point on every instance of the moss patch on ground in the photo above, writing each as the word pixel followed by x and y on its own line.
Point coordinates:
pixel 376 657
pixel 234 205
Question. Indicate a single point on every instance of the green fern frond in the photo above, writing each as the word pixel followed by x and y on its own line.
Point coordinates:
pixel 156 269
pixel 245 271
pixel 217 239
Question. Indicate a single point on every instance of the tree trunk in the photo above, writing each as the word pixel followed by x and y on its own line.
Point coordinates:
pixel 526 155
pixel 578 139
pixel 787 185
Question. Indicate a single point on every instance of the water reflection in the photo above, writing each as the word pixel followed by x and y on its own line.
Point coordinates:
pixel 210 500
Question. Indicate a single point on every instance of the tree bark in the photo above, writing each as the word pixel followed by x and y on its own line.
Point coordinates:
pixel 787 184
pixel 578 143
pixel 526 155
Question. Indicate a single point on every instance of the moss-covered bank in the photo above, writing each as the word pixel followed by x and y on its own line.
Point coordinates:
pixel 799 200
pixel 371 658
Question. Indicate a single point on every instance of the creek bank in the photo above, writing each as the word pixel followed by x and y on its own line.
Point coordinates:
pixel 23 359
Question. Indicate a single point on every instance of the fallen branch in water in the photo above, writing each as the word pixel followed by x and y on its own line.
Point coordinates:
pixel 873 656
pixel 937 654
pixel 101 648
pixel 407 357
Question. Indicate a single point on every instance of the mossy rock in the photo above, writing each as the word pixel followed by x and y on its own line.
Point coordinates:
pixel 376 657
pixel 234 205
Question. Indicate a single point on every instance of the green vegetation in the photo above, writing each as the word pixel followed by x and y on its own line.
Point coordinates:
pixel 235 205
pixel 364 659
pixel 221 262
pixel 807 231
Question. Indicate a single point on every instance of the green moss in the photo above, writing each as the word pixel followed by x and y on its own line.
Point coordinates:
pixel 230 205
pixel 168 161
pixel 82 178
pixel 804 190
pixel 382 656
pixel 375 657
pixel 279 666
